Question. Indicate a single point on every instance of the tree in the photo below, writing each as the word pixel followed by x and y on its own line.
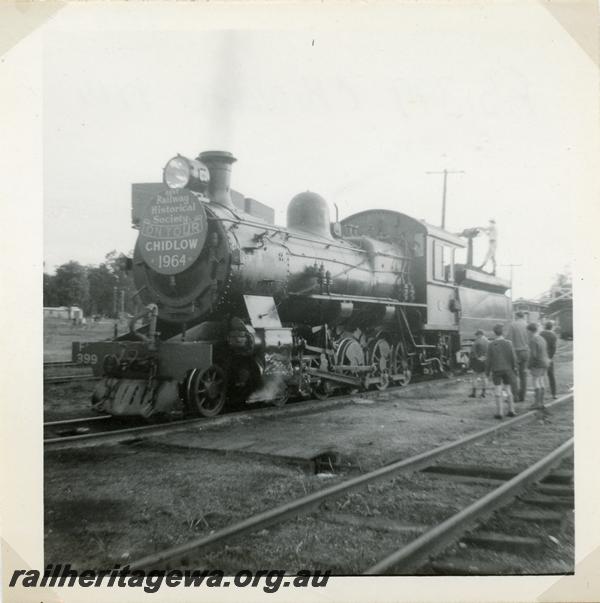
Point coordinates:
pixel 123 279
pixel 50 297
pixel 96 289
pixel 563 283
pixel 71 285
pixel 101 287
pixel 563 279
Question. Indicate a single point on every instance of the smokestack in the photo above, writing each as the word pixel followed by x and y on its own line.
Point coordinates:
pixel 219 166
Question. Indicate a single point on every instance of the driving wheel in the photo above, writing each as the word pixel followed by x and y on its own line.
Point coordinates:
pixel 321 388
pixel 379 358
pixel 401 365
pixel 206 391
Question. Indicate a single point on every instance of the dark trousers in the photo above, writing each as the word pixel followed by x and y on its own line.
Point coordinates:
pixel 522 360
pixel 551 378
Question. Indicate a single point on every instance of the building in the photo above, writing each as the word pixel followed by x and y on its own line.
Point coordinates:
pixel 531 308
pixel 560 310
pixel 64 313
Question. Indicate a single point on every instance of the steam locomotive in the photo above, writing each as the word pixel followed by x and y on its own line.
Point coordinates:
pixel 238 309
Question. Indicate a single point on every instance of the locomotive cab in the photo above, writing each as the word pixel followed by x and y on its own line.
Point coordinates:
pixel 440 273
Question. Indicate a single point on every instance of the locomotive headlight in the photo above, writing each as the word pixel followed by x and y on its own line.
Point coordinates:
pixel 181 172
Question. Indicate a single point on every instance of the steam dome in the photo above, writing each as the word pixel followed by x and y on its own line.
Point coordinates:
pixel 309 213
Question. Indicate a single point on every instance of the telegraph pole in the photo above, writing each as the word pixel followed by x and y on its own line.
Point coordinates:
pixel 115 302
pixel 511 266
pixel 445 173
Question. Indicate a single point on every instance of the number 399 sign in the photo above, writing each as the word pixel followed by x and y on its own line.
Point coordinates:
pixel 172 231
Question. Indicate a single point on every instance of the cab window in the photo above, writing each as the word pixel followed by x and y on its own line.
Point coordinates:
pixel 449 264
pixel 419 245
pixel 438 261
pixel 443 262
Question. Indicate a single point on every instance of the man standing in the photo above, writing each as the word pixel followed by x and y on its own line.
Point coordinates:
pixel 500 365
pixel 492 233
pixel 550 338
pixel 477 362
pixel 517 335
pixel 538 363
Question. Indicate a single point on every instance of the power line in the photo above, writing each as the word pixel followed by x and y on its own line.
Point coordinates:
pixel 445 173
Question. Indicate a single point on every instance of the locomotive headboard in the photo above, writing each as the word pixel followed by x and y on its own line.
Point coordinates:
pixel 145 192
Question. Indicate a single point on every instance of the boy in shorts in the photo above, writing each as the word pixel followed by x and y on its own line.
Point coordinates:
pixel 550 338
pixel 501 364
pixel 538 363
pixel 477 363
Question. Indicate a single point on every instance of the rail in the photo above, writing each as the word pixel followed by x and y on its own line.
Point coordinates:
pixel 60 364
pixel 70 378
pixel 410 556
pixel 287 410
pixel 71 422
pixel 310 501
pixel 116 435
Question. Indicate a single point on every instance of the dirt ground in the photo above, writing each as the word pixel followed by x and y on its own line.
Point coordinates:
pixel 67 400
pixel 112 504
pixel 414 500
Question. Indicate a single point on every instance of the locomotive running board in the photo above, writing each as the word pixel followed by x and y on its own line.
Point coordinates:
pixel 382 301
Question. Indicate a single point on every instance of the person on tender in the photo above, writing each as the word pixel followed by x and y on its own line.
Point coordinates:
pixel 477 358
pixel 501 365
pixel 492 233
pixel 538 363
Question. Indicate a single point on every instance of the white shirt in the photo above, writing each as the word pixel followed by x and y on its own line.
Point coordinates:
pixel 492 232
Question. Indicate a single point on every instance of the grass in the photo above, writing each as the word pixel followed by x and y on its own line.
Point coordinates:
pixel 59 335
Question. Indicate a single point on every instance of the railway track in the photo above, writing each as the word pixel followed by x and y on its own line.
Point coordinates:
pixel 77 422
pixel 430 540
pixel 76 433
pixel 505 542
pixel 411 557
pixel 83 372
pixel 60 364
pixel 77 426
pixel 66 434
pixel 69 378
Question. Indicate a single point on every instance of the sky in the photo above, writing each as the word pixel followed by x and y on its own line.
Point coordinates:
pixel 358 114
